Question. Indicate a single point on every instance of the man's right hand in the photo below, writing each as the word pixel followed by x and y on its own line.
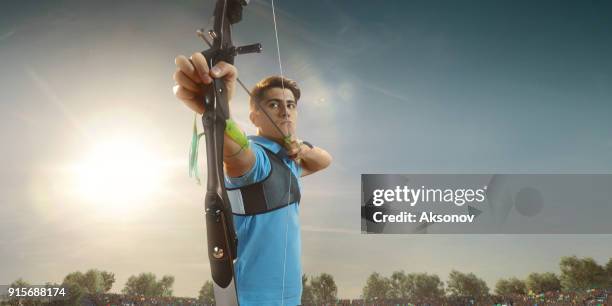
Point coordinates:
pixel 193 79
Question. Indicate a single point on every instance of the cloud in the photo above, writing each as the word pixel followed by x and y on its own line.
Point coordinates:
pixel 7 35
pixel 384 91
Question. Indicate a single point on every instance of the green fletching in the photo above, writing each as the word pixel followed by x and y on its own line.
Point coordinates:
pixel 194 170
pixel 231 130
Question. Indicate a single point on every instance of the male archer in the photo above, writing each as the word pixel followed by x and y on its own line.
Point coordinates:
pixel 262 177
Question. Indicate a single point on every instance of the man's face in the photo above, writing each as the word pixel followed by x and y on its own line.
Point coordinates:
pixel 282 109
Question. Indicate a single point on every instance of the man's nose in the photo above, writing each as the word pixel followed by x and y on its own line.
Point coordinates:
pixel 284 110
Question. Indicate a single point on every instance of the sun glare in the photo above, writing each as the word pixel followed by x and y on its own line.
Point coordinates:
pixel 118 176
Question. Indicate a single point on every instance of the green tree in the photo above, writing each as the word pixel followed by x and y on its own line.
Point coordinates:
pixel 14 301
pixel 324 289
pixel 164 286
pixel 543 282
pixel 412 286
pixel 510 286
pixel 400 286
pixel 426 286
pixel 461 284
pixel 307 292
pixel 19 283
pixel 609 272
pixel 108 279
pixel 74 292
pixel 581 273
pixel 206 294
pixel 93 281
pixel 376 288
pixel 146 284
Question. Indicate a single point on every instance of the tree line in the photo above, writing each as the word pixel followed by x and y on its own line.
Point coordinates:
pixel 575 274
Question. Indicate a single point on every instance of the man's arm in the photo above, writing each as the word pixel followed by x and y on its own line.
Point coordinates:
pixel 313 159
pixel 237 159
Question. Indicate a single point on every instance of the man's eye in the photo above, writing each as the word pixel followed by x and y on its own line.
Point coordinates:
pixel 273 105
pixel 291 105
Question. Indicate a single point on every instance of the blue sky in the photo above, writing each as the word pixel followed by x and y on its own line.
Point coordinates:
pixel 389 87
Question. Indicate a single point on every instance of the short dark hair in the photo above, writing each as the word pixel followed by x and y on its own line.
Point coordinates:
pixel 275 81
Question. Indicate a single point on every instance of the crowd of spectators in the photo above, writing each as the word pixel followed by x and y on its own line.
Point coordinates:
pixel 110 299
pixel 592 297
pixel 562 298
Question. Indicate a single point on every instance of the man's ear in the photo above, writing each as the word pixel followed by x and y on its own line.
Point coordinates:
pixel 252 116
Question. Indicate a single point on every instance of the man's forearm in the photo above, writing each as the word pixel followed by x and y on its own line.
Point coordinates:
pixel 237 155
pixel 314 159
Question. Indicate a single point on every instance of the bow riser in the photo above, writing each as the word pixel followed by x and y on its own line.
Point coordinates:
pixel 221 235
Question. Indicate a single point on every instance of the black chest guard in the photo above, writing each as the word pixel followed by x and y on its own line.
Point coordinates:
pixel 269 194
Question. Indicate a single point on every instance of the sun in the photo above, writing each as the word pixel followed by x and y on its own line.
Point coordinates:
pixel 118 176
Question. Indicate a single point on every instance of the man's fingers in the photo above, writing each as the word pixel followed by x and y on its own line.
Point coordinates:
pixel 201 66
pixel 185 65
pixel 225 71
pixel 292 151
pixel 189 98
pixel 184 81
pixel 193 72
pixel 196 68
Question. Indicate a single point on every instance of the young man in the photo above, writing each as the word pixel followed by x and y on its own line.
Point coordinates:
pixel 262 179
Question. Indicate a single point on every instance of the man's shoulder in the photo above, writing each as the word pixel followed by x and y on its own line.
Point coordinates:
pixel 265 143
pixel 258 172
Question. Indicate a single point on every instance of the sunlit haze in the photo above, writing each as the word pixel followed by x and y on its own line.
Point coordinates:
pixel 95 145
